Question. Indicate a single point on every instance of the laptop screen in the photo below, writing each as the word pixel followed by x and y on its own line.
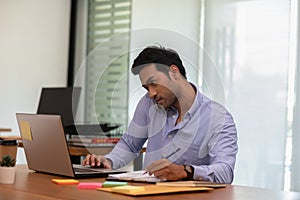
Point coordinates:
pixel 46 147
pixel 61 101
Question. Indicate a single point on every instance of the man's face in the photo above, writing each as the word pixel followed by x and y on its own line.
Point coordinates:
pixel 158 85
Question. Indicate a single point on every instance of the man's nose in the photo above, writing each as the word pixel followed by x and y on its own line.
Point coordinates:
pixel 152 92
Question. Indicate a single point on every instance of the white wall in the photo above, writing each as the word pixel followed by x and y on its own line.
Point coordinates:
pixel 171 23
pixel 34 53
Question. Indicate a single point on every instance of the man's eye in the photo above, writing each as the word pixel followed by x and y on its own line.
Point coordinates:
pixel 153 83
pixel 150 84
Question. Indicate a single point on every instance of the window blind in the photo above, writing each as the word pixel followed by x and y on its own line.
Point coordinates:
pixel 108 60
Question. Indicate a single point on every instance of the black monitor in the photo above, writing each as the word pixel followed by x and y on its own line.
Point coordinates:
pixel 60 101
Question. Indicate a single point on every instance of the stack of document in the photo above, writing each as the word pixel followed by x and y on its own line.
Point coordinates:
pixel 143 176
pixel 136 176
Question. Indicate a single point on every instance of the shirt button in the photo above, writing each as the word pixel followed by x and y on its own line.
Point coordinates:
pixel 169 136
pixel 163 155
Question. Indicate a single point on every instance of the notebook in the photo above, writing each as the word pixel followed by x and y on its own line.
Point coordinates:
pixel 46 147
pixel 64 101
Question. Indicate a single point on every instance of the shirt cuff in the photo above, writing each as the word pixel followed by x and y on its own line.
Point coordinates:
pixel 202 173
pixel 108 157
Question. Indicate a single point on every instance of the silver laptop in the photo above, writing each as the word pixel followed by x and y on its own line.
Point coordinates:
pixel 46 147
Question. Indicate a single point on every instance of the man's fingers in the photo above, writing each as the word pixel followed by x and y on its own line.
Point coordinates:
pixel 157 165
pixel 90 159
pixel 86 160
pixel 106 165
pixel 96 161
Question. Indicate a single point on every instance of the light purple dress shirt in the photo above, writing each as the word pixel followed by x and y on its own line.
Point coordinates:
pixel 206 138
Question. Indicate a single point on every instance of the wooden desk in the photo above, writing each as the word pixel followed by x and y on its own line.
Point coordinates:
pixel 82 151
pixel 35 186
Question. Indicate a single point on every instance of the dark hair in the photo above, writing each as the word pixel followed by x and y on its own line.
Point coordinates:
pixel 159 56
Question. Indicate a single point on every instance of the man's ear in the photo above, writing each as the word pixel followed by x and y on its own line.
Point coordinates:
pixel 174 71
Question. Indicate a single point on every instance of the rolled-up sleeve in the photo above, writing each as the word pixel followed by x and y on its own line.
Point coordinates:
pixel 222 150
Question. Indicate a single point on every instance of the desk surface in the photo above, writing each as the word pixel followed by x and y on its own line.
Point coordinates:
pixel 30 185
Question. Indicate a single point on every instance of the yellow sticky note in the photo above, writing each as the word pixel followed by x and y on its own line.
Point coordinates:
pixel 65 181
pixel 128 188
pixel 25 130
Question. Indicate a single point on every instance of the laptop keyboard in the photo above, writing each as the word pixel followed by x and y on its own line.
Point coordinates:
pixel 81 169
pixel 84 170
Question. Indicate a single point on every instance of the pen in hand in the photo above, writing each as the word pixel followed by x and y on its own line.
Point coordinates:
pixel 157 165
pixel 171 154
pixel 145 172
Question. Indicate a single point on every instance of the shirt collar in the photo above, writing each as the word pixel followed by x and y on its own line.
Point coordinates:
pixel 193 109
pixel 197 102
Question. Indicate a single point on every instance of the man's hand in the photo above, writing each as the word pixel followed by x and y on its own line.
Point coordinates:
pixel 164 169
pixel 97 161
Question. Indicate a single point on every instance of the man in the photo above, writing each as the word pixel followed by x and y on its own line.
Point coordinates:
pixel 189 136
